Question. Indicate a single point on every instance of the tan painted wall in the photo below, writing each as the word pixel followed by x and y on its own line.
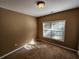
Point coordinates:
pixel 71 31
pixel 15 28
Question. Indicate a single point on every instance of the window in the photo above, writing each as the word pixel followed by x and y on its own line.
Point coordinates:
pixel 54 29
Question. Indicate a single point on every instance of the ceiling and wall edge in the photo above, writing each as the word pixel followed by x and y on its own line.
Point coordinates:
pixel 39 16
pixel 15 11
pixel 59 12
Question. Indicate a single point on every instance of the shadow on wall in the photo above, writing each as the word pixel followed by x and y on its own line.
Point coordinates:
pixel 15 29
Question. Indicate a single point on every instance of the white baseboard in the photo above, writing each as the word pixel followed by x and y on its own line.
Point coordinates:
pixel 66 47
pixel 61 46
pixel 1 57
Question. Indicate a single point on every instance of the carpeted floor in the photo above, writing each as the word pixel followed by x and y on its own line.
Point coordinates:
pixel 43 51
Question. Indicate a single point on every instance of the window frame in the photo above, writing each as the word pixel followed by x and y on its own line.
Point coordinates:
pixel 63 31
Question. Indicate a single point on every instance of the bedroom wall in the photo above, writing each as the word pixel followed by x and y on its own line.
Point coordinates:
pixel 15 29
pixel 71 31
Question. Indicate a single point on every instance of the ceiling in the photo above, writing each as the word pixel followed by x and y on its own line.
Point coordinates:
pixel 29 6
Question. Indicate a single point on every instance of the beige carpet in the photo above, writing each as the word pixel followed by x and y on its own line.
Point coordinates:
pixel 43 51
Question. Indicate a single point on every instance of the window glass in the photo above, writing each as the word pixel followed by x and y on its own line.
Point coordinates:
pixel 54 29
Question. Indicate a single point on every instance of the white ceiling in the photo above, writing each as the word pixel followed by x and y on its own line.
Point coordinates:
pixel 29 6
